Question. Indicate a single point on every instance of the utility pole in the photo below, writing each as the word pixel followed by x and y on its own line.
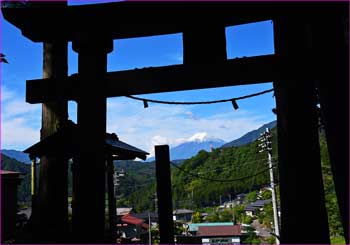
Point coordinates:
pixel 266 145
pixel 149 229
pixel 155 203
pixel 116 176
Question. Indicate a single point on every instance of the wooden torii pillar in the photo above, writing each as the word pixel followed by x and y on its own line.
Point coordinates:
pixel 331 47
pixel 89 201
pixel 301 184
pixel 53 181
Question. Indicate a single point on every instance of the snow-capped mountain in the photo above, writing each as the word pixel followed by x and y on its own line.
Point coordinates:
pixel 192 145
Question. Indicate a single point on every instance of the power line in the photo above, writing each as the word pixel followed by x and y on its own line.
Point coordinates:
pixel 138 185
pixel 233 100
pixel 230 167
pixel 253 179
pixel 219 180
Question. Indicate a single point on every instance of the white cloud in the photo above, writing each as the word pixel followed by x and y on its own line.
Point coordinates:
pixel 177 57
pixel 16 134
pixel 6 94
pixel 143 128
pixel 18 107
pixel 191 115
pixel 159 140
pixel 165 124
pixel 19 121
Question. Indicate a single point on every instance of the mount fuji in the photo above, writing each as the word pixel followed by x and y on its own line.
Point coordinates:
pixel 192 145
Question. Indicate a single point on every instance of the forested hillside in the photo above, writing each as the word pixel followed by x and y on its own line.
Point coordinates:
pixel 194 186
pixel 200 180
pixel 331 198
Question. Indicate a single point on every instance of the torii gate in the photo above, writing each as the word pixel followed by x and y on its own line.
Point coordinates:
pixel 311 51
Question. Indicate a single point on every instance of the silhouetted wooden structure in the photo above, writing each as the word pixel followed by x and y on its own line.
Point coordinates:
pixel 9 206
pixel 164 195
pixel 310 64
pixel 64 143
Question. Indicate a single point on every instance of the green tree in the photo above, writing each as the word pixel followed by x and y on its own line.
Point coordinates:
pixel 226 216
pixel 239 213
pixel 155 235
pixel 251 237
pixel 246 219
pixel 214 217
pixel 251 196
pixel 197 217
pixel 266 195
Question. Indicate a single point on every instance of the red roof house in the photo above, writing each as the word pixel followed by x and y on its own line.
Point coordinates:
pixel 219 231
pixel 132 220
pixel 132 227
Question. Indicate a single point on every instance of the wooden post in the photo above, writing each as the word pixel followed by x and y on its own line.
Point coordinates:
pixel 33 179
pixel 89 202
pixel 331 47
pixel 303 212
pixel 53 181
pixel 165 208
pixel 34 186
pixel 111 196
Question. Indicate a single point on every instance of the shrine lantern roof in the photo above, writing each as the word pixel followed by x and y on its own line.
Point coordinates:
pixel 65 143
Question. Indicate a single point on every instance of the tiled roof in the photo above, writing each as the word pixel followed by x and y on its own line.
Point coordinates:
pixel 183 211
pixel 217 231
pixel 260 203
pixel 129 219
pixel 123 211
pixel 66 140
pixel 194 226
pixel 144 215
pixel 113 142
pixel 250 208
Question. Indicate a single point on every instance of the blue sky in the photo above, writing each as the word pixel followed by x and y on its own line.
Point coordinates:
pixel 144 128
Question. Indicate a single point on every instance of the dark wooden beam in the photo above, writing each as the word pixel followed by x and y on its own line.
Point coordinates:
pixel 204 43
pixel 137 19
pixel 127 20
pixel 240 71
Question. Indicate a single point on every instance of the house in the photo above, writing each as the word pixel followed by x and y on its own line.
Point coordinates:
pixel 229 204
pixel 251 209
pixel 220 234
pixel 184 215
pixel 261 203
pixel 193 228
pixel 132 228
pixel 240 198
pixel 146 215
pixel 123 211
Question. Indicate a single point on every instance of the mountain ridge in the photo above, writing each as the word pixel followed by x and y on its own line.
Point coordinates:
pixel 250 136
pixel 17 155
